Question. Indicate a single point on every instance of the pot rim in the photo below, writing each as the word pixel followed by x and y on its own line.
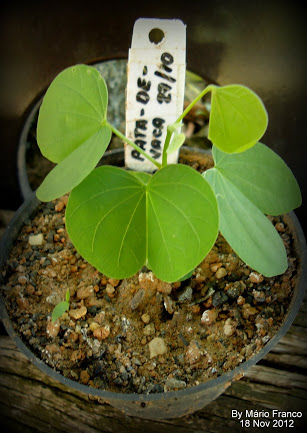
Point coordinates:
pixel 29 207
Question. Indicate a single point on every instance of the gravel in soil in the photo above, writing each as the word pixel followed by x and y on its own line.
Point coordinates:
pixel 140 335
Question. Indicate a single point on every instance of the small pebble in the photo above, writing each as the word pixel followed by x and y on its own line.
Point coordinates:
pixel 78 312
pixel 215 266
pixel 22 280
pixel 36 239
pixel 172 384
pixel 137 299
pixel 186 295
pixel 84 377
pixel 94 326
pixel 209 316
pixel 102 333
pixel 195 309
pixel 149 329
pixel 50 236
pixel 220 273
pixel 229 327
pixel 192 354
pixel 110 289
pixel 104 281
pixel 157 347
pixel 219 298
pixel 280 227
pixel 248 310
pixel 59 206
pixel 169 304
pixel 53 328
pixel 20 268
pixel 259 296
pixel 100 317
pixel 85 292
pixel 30 289
pixel 73 336
pixel 113 282
pixel 145 318
pixel 54 298
pixel 146 276
pixel 254 277
pixel 240 300
pixel 22 302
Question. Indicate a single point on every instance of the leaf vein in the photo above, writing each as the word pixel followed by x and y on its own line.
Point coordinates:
pixel 99 194
pixel 106 215
pixel 128 226
pixel 162 234
pixel 82 96
pixel 184 216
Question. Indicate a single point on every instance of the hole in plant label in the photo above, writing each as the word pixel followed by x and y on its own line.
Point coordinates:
pixel 156 36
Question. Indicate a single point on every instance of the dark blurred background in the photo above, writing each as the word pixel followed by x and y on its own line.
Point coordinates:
pixel 256 43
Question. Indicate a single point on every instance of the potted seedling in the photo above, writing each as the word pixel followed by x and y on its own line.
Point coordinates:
pixel 151 240
pixel 120 220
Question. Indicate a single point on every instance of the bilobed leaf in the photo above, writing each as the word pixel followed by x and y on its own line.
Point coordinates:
pixel 59 309
pixel 68 173
pixel 182 219
pixel 119 221
pixel 238 118
pixel 247 230
pixel 262 177
pixel 106 221
pixel 73 110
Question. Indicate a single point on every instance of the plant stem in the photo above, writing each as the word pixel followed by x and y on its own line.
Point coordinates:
pixel 170 128
pixel 135 146
pixel 168 134
pixel 191 105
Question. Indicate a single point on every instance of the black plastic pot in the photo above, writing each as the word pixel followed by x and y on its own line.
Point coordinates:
pixel 161 405
pixel 22 174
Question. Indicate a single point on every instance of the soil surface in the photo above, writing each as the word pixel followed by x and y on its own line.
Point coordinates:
pixel 140 335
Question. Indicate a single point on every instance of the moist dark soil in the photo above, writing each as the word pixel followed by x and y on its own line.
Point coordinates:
pixel 140 335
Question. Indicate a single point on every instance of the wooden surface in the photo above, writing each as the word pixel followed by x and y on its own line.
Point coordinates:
pixel 32 402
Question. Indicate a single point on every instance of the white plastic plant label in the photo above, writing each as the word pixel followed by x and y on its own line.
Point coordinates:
pixel 155 88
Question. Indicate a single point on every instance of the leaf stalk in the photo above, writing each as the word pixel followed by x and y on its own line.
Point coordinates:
pixel 135 146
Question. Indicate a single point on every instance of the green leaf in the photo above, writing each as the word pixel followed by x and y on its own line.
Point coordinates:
pixel 59 309
pixel 73 110
pixel 119 221
pixel 182 221
pixel 247 230
pixel 106 221
pixel 262 177
pixel 67 296
pixel 238 118
pixel 75 167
